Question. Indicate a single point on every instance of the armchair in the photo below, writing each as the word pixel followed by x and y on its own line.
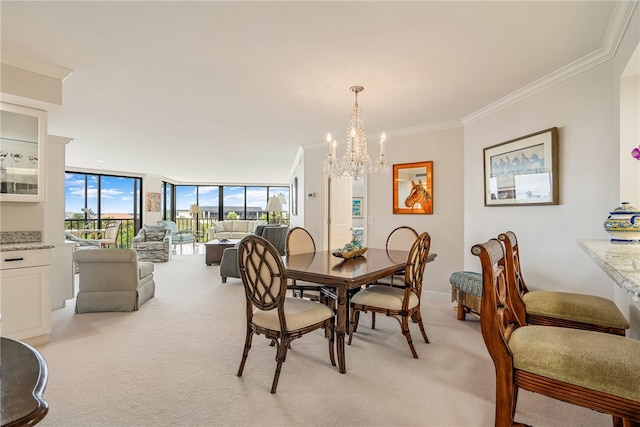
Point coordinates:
pixel 274 234
pixel 153 243
pixel 112 280
pixel 179 237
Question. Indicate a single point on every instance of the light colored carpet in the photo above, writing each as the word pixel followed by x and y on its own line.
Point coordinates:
pixel 174 363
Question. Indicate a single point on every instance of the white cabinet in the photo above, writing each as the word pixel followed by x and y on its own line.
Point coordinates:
pixel 25 297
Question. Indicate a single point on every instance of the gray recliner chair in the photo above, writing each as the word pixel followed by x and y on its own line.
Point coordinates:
pixel 276 234
pixel 112 280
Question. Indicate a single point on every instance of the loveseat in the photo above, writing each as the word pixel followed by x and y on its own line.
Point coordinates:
pixel 233 229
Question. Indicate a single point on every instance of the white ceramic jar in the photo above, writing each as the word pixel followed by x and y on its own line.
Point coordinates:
pixel 623 224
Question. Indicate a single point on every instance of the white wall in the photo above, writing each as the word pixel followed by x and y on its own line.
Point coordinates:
pixel 445 149
pixel 581 108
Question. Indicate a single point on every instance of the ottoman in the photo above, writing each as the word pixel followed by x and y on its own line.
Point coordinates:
pixel 466 290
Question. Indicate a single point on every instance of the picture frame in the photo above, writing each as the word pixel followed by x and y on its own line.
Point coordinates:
pixel 413 188
pixel 294 196
pixel 523 171
pixel 356 207
pixel 153 202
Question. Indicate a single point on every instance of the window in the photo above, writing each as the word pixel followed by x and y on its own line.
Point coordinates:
pixel 92 200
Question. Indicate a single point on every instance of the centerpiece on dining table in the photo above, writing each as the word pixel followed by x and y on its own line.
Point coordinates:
pixel 350 250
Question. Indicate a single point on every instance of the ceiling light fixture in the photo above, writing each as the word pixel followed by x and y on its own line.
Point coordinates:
pixel 356 161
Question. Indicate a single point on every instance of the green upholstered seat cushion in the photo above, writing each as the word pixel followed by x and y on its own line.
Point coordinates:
pixel 604 362
pixel 467 281
pixel 577 307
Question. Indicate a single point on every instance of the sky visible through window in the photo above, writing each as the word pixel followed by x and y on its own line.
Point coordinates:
pixel 118 197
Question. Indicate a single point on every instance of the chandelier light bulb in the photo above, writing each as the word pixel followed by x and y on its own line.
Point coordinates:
pixel 356 161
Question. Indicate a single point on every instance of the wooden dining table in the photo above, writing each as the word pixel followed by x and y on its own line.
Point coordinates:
pixel 323 268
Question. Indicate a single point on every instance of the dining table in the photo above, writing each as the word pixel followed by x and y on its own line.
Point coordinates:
pixel 323 268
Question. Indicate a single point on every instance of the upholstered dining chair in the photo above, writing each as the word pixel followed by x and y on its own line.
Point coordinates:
pixel 111 234
pixel 400 239
pixel 571 310
pixel 586 368
pixel 399 303
pixel 300 241
pixel 270 312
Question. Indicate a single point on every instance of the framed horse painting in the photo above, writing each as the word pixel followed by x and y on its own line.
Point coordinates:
pixel 413 188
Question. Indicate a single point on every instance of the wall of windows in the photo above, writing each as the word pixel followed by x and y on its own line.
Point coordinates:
pixel 220 202
pixel 93 200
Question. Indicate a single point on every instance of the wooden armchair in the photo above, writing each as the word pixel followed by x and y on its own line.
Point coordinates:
pixel 577 311
pixel 586 368
pixel 300 241
pixel 400 303
pixel 269 311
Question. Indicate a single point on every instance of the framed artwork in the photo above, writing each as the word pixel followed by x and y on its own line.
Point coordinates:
pixel 153 202
pixel 294 196
pixel 413 188
pixel 523 171
pixel 356 207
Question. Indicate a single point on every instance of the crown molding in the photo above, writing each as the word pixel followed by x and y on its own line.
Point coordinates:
pixel 617 27
pixel 55 71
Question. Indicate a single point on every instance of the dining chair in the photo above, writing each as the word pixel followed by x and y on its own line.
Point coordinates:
pixel 300 241
pixel 111 233
pixel 400 239
pixel 269 311
pixel 586 368
pixel 571 310
pixel 399 303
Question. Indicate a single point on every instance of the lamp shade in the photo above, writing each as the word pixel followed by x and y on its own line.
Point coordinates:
pixel 274 205
pixel 194 209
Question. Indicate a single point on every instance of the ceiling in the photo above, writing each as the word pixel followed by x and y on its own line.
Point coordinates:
pixel 227 92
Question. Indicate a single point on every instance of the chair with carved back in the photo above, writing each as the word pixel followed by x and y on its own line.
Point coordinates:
pixel 300 241
pixel 111 234
pixel 400 303
pixel 269 311
pixel 400 239
pixel 571 310
pixel 586 368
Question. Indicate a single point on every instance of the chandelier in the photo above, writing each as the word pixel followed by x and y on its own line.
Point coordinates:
pixel 356 161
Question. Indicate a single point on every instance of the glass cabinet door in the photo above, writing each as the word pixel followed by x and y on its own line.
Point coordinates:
pixel 22 153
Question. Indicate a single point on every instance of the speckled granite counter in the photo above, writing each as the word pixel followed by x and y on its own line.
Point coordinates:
pixel 620 261
pixel 22 240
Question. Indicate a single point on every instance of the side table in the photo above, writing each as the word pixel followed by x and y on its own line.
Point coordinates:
pixel 214 248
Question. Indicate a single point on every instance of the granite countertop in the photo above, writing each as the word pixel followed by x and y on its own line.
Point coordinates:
pixel 620 261
pixel 22 240
pixel 4 247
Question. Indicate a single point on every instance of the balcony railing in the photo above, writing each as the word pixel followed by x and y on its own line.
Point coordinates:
pixel 127 228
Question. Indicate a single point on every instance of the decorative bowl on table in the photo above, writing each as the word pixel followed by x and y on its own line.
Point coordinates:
pixel 350 250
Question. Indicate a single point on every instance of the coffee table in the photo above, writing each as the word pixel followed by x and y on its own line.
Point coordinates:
pixel 214 248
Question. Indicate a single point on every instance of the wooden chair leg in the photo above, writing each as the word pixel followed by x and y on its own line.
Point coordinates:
pixel 330 334
pixel 417 317
pixel 355 316
pixel 373 320
pixel 404 324
pixel 245 352
pixel 506 399
pixel 281 356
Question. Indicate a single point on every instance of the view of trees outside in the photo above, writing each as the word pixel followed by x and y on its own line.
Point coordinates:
pixel 92 200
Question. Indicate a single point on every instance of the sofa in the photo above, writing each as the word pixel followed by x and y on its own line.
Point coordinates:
pixel 276 234
pixel 112 280
pixel 233 229
pixel 153 243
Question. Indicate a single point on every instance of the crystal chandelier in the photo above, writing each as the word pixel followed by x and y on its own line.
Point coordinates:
pixel 356 161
